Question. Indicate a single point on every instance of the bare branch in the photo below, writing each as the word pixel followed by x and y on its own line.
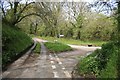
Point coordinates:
pixel 2 8
pixel 26 5
pixel 11 5
pixel 27 16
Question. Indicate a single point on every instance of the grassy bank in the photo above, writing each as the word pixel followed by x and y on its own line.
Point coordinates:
pixel 72 41
pixel 37 48
pixel 101 63
pixel 14 41
pixel 57 47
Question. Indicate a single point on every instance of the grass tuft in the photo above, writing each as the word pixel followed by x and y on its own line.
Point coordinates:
pixel 37 48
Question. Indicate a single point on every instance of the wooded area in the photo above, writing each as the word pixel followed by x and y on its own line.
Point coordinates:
pixel 73 20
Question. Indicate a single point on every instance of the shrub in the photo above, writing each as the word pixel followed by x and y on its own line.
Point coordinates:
pixel 101 63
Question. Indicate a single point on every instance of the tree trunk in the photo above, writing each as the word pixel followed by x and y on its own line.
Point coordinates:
pixel 36 29
pixel 118 19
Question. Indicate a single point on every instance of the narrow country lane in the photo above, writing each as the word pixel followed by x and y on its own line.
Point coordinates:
pixel 47 65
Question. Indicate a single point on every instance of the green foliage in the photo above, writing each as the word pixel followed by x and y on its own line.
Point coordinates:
pixel 57 47
pixel 13 42
pixel 37 48
pixel 111 66
pixel 83 25
pixel 101 63
pixel 88 66
pixel 100 28
pixel 77 28
pixel 103 56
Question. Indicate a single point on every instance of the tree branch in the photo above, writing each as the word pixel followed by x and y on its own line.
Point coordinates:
pixel 21 11
pixel 15 7
pixel 26 5
pixel 2 8
pixel 26 16
pixel 11 5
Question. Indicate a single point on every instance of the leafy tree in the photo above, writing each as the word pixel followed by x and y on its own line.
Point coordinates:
pixel 14 14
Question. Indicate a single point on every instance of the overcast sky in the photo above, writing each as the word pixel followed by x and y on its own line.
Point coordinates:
pixel 66 0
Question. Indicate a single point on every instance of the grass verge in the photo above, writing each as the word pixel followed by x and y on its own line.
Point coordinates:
pixel 57 47
pixel 73 41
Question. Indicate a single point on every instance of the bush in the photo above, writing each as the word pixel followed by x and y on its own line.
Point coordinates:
pixel 101 63
pixel 89 65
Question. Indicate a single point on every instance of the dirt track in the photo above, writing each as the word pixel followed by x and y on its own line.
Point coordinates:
pixel 47 65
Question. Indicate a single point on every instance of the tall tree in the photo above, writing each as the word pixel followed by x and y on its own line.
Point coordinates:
pixel 12 11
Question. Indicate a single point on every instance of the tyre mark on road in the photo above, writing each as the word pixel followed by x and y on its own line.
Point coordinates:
pixel 56 58
pixel 67 74
pixel 55 73
pixel 63 68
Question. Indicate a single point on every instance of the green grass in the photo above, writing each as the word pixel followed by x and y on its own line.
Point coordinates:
pixel 88 66
pixel 37 48
pixel 72 41
pixel 57 47
pixel 101 63
pixel 111 70
pixel 14 41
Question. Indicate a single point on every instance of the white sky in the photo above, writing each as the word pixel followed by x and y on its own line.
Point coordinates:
pixel 84 0
pixel 65 0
